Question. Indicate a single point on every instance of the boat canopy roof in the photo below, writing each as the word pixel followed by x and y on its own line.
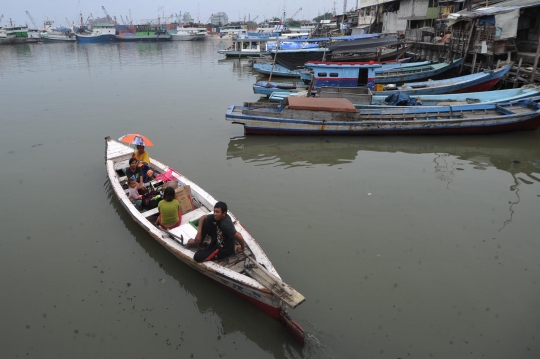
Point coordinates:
pixel 359 44
pixel 339 38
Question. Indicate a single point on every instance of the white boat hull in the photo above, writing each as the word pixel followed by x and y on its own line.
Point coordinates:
pixel 117 155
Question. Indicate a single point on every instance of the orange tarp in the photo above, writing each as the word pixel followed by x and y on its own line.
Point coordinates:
pixel 321 104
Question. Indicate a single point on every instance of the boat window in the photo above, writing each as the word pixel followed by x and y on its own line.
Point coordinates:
pixel 334 74
pixel 321 74
pixel 362 77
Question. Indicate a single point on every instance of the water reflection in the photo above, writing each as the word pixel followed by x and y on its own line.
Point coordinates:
pixel 517 154
pixel 208 297
pixel 513 153
pixel 73 55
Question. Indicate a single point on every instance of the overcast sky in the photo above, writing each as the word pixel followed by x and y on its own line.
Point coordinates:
pixel 58 10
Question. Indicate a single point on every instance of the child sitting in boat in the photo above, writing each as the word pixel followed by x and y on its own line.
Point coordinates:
pixel 170 215
pixel 140 172
pixel 133 193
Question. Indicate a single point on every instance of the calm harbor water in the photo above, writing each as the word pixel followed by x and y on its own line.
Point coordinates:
pixel 417 247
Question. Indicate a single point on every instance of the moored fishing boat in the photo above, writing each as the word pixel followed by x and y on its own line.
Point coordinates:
pixel 100 33
pixel 347 73
pixel 15 35
pixel 338 116
pixel 248 46
pixel 267 67
pixel 481 81
pixel 138 33
pixel 51 35
pixel 34 35
pixel 189 34
pixel 364 98
pixel 5 38
pixel 232 31
pixel 250 274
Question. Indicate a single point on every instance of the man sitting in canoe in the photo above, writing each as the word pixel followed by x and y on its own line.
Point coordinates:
pixel 223 235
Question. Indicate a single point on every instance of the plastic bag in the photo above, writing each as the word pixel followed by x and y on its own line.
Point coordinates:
pixel 167 176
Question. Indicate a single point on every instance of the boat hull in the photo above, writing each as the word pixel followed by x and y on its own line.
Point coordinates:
pixel 176 37
pixel 237 281
pixel 436 120
pixel 233 53
pixel 7 40
pixel 261 298
pixel 267 68
pixel 529 125
pixel 62 38
pixel 94 38
pixel 145 38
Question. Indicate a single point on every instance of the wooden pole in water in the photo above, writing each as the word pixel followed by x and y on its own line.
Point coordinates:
pixel 464 56
pixel 274 62
pixel 517 73
pixel 531 79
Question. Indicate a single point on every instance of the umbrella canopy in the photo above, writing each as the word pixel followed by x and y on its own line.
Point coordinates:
pixel 136 139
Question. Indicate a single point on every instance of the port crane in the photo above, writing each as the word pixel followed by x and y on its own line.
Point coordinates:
pixel 107 17
pixel 293 15
pixel 32 20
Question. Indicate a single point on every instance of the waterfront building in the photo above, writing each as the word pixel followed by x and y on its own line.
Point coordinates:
pixel 219 18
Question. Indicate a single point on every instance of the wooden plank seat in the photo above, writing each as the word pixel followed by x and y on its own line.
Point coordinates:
pixel 185 229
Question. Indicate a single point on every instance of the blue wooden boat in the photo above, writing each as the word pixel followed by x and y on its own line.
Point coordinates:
pixel 347 74
pixel 481 81
pixel 462 98
pixel 365 99
pixel 265 68
pixel 338 116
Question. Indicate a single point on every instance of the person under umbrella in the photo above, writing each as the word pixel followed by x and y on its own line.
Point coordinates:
pixel 141 142
pixel 141 155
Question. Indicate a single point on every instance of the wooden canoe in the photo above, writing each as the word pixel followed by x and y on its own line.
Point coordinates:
pixel 250 275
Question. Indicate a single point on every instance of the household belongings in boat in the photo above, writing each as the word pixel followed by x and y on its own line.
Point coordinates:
pixel 338 116
pixel 249 274
pixel 481 81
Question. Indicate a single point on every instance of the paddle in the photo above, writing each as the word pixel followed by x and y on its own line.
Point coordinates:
pixel 175 237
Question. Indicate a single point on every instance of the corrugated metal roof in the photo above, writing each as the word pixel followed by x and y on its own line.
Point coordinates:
pixel 501 7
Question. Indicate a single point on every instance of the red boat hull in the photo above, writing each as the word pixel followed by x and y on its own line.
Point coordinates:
pixel 485 86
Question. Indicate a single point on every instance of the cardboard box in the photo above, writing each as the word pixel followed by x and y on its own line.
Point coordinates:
pixel 183 195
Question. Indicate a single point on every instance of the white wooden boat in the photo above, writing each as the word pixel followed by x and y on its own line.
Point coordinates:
pixel 248 46
pixel 250 275
pixel 189 34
